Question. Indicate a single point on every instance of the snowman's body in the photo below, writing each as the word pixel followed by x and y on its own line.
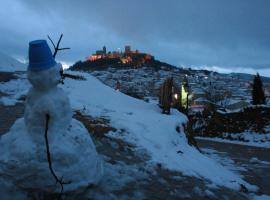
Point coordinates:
pixel 46 98
pixel 23 158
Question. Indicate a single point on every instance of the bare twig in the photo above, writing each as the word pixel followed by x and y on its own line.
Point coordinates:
pixel 56 47
pixel 52 42
pixel 60 181
pixel 59 49
pixel 75 77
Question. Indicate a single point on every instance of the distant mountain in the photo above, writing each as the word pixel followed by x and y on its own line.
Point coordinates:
pixel 9 64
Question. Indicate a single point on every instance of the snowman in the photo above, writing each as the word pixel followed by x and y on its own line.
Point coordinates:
pixel 48 123
pixel 45 99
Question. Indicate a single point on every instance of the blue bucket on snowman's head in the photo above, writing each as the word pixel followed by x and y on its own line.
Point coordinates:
pixel 40 56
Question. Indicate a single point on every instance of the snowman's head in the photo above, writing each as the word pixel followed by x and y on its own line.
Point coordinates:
pixel 45 79
pixel 43 72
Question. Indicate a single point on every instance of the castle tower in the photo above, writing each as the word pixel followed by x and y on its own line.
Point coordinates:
pixel 127 49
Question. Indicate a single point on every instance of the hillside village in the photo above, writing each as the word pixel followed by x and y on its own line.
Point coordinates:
pixel 135 100
pixel 143 79
pixel 134 137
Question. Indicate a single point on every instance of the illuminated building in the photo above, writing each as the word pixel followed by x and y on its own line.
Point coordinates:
pixel 126 57
pixel 127 49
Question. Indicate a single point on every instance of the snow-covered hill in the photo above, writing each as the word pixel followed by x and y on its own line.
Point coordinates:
pixel 142 125
pixel 9 64
pixel 148 129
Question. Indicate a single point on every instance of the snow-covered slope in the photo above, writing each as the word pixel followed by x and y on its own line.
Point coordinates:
pixel 9 64
pixel 145 127
pixel 149 130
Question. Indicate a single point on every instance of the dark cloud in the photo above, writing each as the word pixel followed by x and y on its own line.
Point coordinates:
pixel 190 32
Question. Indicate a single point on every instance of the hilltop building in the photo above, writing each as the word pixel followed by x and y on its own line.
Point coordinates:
pixel 127 49
pixel 125 57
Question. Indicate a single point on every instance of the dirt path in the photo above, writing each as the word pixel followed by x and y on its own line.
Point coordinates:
pixel 247 157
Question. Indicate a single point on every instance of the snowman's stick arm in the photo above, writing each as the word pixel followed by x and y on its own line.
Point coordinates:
pixel 66 48
pixel 58 43
pixel 48 148
pixel 60 181
pixel 51 42
pixel 56 47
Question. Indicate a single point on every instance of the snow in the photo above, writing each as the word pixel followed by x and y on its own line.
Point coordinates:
pixel 255 140
pixel 46 98
pixel 14 89
pixel 146 128
pixel 24 162
pixel 9 64
pixel 224 159
pixel 262 197
pixel 257 161
pixel 201 100
pixel 24 158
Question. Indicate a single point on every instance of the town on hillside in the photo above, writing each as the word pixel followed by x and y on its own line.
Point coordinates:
pixel 135 100
pixel 140 75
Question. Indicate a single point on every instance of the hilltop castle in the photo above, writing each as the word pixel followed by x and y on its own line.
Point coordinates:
pixel 125 57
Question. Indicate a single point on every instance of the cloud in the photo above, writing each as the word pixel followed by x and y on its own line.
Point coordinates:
pixel 193 32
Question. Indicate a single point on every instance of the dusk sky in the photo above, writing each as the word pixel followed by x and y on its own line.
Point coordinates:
pixel 229 35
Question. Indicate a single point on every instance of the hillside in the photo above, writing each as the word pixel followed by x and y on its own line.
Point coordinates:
pixel 229 92
pixel 157 139
pixel 137 81
pixel 9 64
